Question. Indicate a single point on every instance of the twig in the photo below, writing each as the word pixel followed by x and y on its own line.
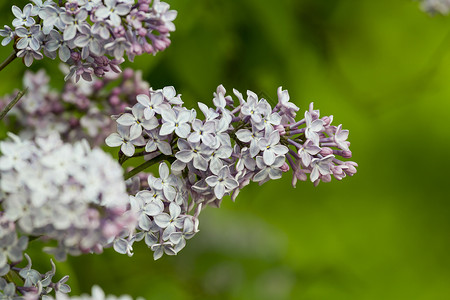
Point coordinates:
pixel 8 60
pixel 12 103
pixel 147 164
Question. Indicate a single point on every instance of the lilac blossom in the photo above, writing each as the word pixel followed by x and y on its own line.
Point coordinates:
pixel 98 34
pixel 436 6
pixel 126 139
pixel 23 18
pixel 222 154
pixel 175 121
pixel 112 10
pixel 76 195
pixel 29 38
pixel 270 147
pixel 8 35
pixel 222 183
pixel 312 128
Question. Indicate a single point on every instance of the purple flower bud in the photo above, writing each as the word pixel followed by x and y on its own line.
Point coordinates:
pixel 100 72
pixel 57 108
pixel 114 100
pixel 98 85
pixel 326 120
pixel 326 178
pixel 148 48
pixel 72 8
pixel 128 74
pixel 76 56
pixel 136 49
pixel 351 168
pixel 142 32
pixel 280 128
pixel 144 7
pixel 284 167
pixel 325 151
pixel 346 153
pixel 74 122
pixel 119 31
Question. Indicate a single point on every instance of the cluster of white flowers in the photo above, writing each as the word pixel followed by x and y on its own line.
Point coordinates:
pixel 436 6
pixel 219 155
pixel 34 284
pixel 81 111
pixel 87 33
pixel 96 294
pixel 68 193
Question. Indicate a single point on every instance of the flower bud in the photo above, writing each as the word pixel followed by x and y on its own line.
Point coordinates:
pixel 76 56
pixel 325 151
pixel 280 129
pixel 284 167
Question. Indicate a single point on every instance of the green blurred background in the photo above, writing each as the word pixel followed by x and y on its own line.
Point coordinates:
pixel 382 68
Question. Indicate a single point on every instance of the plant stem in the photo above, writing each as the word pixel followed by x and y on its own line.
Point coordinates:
pixel 147 164
pixel 12 103
pixel 8 60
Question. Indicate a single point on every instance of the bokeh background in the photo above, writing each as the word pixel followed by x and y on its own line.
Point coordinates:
pixel 382 68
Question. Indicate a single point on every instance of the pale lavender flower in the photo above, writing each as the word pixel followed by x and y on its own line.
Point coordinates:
pixel 340 138
pixel 321 166
pixel 312 128
pixel 101 28
pixel 271 147
pixel 288 108
pixel 194 152
pixel 170 222
pixel 268 119
pixel 306 151
pixel 157 142
pixel 89 5
pixel 222 183
pixel 251 137
pixel 253 107
pixel 272 171
pixel 125 140
pixel 29 38
pixel 217 156
pixel 112 9
pixel 137 121
pixel 29 55
pixel 73 23
pixel 161 248
pixel 170 94
pixel 153 104
pixel 118 47
pixel 203 132
pixel 179 238
pixel 58 43
pixel 436 6
pixel 50 16
pixel 23 18
pixel 8 35
pixel 88 42
pixel 166 182
pixel 175 121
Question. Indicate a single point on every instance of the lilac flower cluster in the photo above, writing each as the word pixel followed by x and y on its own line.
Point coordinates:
pixel 97 294
pixel 436 6
pixel 219 155
pixel 34 284
pixel 92 36
pixel 68 193
pixel 81 111
pixel 11 247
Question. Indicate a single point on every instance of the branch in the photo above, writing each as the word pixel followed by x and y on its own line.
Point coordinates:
pixel 148 164
pixel 12 103
pixel 8 60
